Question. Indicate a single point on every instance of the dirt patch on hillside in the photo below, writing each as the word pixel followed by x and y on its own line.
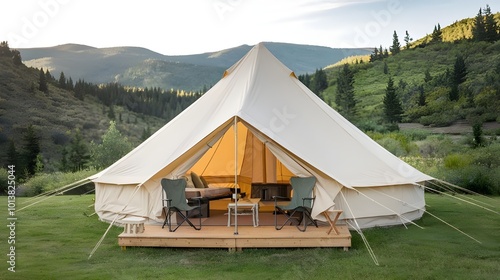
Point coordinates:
pixel 458 128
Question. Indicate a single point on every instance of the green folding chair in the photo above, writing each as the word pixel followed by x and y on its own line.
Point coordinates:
pixel 175 202
pixel 299 208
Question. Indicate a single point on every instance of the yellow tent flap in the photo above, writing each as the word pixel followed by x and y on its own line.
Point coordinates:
pixel 256 164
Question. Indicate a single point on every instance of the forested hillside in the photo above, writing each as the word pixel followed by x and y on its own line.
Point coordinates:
pixel 450 75
pixel 42 118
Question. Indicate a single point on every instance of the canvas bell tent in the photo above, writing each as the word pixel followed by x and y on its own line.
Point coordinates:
pixel 260 124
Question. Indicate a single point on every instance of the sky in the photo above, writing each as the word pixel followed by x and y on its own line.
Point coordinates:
pixel 179 27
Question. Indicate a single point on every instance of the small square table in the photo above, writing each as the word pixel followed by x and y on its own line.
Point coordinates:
pixel 245 207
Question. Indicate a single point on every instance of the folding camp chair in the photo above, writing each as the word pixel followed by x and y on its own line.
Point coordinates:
pixel 176 202
pixel 299 208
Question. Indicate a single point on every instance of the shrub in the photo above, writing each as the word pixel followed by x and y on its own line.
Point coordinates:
pixel 478 179
pixel 456 161
pixel 45 182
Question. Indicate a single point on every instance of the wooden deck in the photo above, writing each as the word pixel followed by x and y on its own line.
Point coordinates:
pixel 247 237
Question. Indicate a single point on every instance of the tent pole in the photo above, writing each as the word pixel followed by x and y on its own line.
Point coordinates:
pixel 235 175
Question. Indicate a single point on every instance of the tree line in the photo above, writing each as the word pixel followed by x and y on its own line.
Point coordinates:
pixel 157 102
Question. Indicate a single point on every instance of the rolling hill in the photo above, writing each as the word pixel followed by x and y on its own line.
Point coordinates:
pixel 140 67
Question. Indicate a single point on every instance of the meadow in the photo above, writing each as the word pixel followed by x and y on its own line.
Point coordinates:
pixel 55 237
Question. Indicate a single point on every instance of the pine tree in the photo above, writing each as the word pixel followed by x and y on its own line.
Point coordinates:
pixel 396 46
pixel 16 57
pixel 454 94
pixel 437 34
pixel 78 154
pixel 305 79
pixel 42 82
pixel 319 82
pixel 479 29
pixel 374 56
pixel 392 105
pixel 31 150
pixel 64 166
pixel 459 71
pixel 408 40
pixel 421 96
pixel 69 84
pixel 386 68
pixel 12 154
pixel 62 81
pixel 427 76
pixel 490 26
pixel 4 49
pixel 344 98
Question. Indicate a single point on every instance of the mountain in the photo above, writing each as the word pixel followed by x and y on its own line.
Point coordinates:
pixel 140 67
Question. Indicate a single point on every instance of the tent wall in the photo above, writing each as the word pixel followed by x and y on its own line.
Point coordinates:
pixel 381 206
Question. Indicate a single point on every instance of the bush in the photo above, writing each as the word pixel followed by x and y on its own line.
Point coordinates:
pixel 45 182
pixel 475 178
pixel 456 161
pixel 438 146
pixel 477 169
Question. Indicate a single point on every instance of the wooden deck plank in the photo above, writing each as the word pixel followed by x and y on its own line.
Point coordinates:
pixel 247 237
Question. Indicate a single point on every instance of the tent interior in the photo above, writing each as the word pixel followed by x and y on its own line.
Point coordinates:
pixel 255 163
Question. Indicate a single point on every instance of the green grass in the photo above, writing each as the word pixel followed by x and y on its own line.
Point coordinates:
pixel 54 239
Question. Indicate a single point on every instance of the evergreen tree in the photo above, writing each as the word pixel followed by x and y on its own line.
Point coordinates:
pixel 454 94
pixel 12 154
pixel 392 105
pixel 427 76
pixel 396 46
pixel 16 57
pixel 490 26
pixel 305 79
pixel 477 132
pixel 48 77
pixel 386 68
pixel 374 56
pixel 319 82
pixel 421 96
pixel 62 81
pixel 42 82
pixel 78 154
pixel 437 34
pixel 459 71
pixel 408 40
pixel 344 98
pixel 111 113
pixel 4 49
pixel 479 29
pixel 31 150
pixel 69 84
pixel 64 165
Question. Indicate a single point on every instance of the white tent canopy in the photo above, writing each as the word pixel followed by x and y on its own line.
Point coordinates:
pixel 305 135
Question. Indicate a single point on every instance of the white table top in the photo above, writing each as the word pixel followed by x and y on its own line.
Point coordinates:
pixel 245 202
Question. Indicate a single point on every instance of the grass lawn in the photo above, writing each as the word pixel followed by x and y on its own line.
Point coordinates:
pixel 54 239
